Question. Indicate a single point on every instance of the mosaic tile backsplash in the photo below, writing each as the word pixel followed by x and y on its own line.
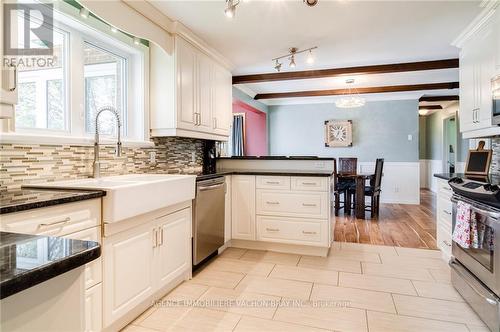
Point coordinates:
pixel 35 163
pixel 495 160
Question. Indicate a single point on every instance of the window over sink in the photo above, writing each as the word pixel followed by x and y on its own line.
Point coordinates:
pixel 93 65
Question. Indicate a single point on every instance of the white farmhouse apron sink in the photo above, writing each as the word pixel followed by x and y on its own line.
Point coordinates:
pixel 131 195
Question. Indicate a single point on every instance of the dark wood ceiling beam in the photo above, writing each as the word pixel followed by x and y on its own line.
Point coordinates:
pixel 378 89
pixel 362 70
pixel 430 107
pixel 439 98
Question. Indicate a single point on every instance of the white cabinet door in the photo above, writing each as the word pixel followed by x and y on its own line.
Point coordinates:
pixel 497 40
pixel 174 245
pixel 128 259
pixel 243 207
pixel 467 89
pixel 93 309
pixel 227 212
pixel 186 85
pixel 223 101
pixel 205 78
pixel 486 60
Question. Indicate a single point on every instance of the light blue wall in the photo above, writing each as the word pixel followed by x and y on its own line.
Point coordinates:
pixel 380 130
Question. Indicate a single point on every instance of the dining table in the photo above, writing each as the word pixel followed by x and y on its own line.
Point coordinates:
pixel 360 181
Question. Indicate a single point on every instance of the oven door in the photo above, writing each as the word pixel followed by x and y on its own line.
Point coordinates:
pixel 483 261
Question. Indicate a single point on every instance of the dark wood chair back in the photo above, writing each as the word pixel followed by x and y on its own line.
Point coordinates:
pixel 376 181
pixel 348 165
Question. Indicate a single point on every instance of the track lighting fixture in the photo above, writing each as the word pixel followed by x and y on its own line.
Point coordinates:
pixel 84 12
pixel 277 66
pixel 311 3
pixel 230 10
pixel 292 53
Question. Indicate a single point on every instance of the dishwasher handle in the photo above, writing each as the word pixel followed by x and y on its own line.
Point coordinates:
pixel 214 187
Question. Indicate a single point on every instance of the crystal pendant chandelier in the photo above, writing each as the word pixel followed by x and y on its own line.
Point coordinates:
pixel 351 99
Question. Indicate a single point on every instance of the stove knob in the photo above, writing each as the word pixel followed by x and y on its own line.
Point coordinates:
pixel 494 188
pixel 487 187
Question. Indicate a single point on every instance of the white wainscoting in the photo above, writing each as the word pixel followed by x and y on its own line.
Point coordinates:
pixel 400 181
pixel 427 170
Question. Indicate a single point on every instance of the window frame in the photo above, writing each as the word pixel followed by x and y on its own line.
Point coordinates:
pixel 136 81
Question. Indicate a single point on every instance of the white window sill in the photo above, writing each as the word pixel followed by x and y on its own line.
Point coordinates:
pixel 18 138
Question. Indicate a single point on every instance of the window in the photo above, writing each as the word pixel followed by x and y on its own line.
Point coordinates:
pixel 92 67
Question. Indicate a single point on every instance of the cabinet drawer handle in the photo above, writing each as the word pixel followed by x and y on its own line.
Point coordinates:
pixel 308 204
pixel 272 182
pixel 272 229
pixel 447 212
pixel 60 222
pixel 308 233
pixel 272 203
pixel 309 183
pixel 447 243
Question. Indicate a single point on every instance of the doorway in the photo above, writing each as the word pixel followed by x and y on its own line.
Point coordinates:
pixel 450 140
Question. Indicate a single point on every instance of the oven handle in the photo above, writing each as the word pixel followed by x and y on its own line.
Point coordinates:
pixel 460 270
pixel 489 213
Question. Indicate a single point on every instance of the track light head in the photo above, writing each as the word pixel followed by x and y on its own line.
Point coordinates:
pixel 311 3
pixel 292 61
pixel 230 10
pixel 277 66
pixel 310 58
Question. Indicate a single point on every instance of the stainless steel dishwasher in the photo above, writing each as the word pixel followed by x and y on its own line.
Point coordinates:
pixel 208 218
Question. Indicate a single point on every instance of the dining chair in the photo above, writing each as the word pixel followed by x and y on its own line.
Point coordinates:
pixel 373 190
pixel 346 166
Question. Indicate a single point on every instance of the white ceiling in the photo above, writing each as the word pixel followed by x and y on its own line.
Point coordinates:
pixel 347 33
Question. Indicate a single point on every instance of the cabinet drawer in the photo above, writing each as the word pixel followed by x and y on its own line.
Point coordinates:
pixel 93 270
pixel 282 203
pixel 55 220
pixel 292 230
pixel 444 207
pixel 444 239
pixel 309 184
pixel 273 182
pixel 444 189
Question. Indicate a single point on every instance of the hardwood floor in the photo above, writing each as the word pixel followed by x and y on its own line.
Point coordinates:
pixel 400 225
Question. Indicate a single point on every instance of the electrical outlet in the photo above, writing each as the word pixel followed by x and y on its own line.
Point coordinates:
pixel 152 157
pixel 396 189
pixel 410 137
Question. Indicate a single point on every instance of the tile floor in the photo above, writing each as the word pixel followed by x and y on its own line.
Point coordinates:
pixel 358 287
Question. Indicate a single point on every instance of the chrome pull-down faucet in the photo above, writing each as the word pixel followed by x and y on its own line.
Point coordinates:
pixel 118 153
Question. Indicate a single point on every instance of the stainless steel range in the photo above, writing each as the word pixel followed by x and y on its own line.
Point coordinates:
pixel 476 271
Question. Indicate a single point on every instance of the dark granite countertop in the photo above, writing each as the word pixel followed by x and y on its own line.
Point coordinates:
pixel 277 158
pixel 275 172
pixel 28 260
pixel 26 199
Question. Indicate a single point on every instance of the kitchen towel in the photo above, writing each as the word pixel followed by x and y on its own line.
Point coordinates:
pixel 461 233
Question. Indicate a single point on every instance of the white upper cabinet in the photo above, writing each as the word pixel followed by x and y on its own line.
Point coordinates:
pixel 191 93
pixel 8 80
pixel 479 63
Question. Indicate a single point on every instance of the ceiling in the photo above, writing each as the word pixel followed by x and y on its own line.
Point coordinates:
pixel 347 33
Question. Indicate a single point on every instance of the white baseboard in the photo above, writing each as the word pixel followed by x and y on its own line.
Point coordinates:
pixel 400 181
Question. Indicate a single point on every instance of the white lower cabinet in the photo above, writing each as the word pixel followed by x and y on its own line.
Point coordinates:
pixel 140 261
pixel 93 308
pixel 243 207
pixel 173 248
pixel 444 218
pixel 281 209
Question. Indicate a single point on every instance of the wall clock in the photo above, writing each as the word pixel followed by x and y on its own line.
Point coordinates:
pixel 338 133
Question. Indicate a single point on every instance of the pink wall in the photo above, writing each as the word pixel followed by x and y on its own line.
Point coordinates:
pixel 255 129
